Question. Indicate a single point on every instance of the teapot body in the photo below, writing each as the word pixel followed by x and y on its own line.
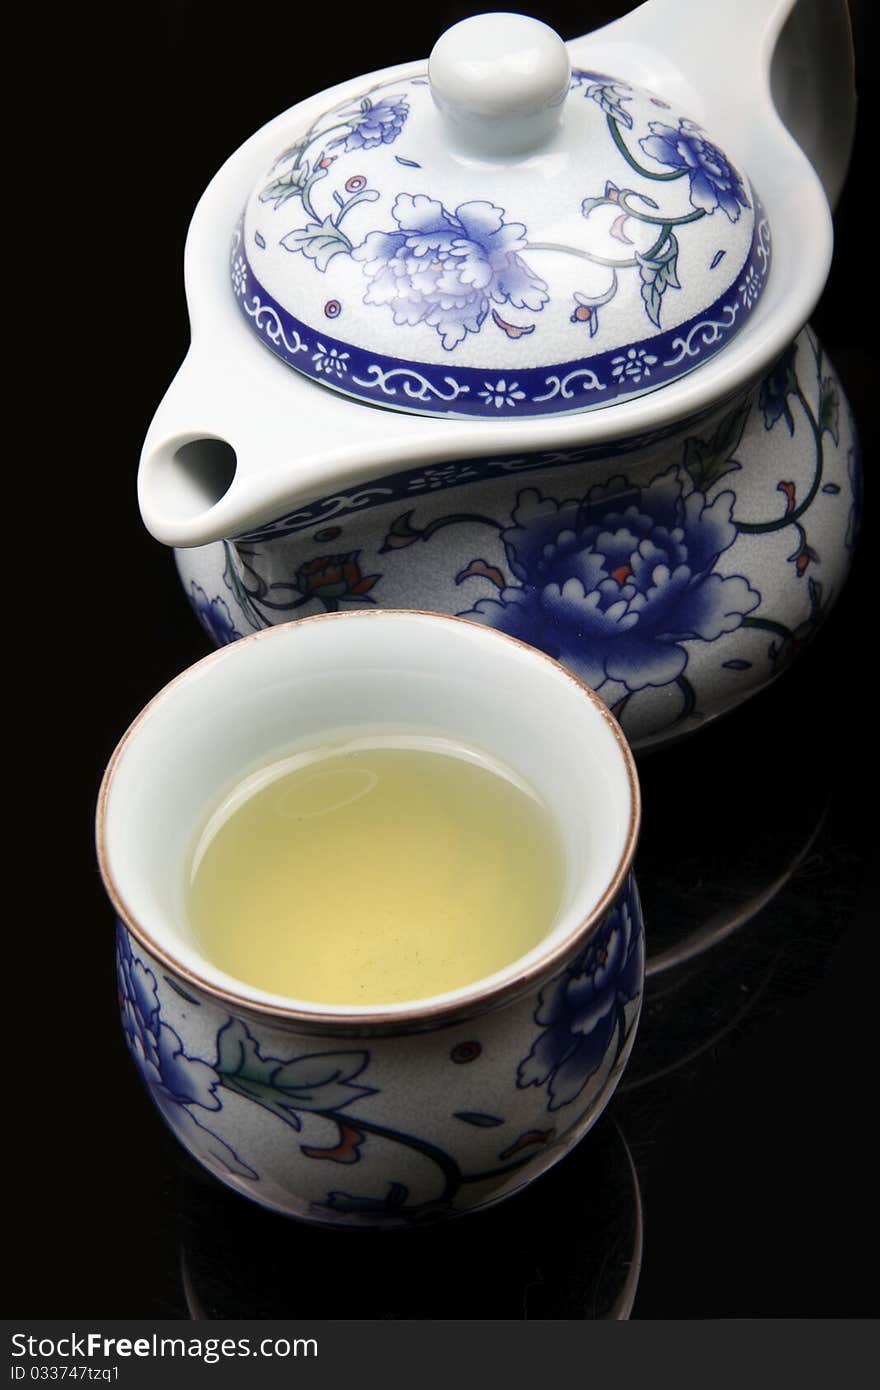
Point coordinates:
pixel 676 574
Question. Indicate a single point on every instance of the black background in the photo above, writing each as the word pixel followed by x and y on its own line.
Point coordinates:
pixel 756 1157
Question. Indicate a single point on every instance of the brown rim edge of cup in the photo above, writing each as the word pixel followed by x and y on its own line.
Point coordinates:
pixel 420 1017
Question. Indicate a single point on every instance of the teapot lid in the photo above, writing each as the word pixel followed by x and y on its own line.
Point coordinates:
pixel 499 236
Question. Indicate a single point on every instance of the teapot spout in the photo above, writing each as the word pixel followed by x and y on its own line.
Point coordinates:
pixel 241 440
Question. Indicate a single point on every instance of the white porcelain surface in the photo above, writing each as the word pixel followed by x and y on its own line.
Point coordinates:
pixel 293 442
pixel 502 236
pixel 500 81
pixel 399 1113
pixel 677 578
pixel 397 672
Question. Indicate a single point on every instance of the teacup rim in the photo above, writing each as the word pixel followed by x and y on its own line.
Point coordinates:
pixel 420 1015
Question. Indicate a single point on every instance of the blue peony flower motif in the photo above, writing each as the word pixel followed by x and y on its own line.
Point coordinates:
pixel 175 1080
pixel 776 388
pixel 155 1047
pixel 613 583
pixel 443 269
pixel 714 181
pixel 582 1012
pixel 376 123
pixel 214 615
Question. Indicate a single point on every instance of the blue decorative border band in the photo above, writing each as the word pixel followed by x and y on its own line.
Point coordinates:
pixel 412 483
pixel 437 389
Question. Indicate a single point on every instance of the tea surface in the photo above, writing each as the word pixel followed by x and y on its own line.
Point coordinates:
pixel 375 872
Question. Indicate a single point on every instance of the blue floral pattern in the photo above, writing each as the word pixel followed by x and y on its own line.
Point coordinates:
pixel 612 584
pixel 450 264
pixel 714 183
pixel 582 1012
pixel 804 491
pixel 443 268
pixel 176 1081
pixel 214 615
pixel 376 123
pixel 248 1069
pixel 776 388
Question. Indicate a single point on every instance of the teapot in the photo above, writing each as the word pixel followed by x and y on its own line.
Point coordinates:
pixel 519 336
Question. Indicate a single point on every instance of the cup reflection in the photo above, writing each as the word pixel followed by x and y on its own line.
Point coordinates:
pixel 239 1261
pixel 732 832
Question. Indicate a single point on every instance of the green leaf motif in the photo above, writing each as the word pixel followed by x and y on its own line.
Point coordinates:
pixel 829 409
pixel 318 1081
pixel 293 150
pixel 589 204
pixel 178 989
pixel 366 195
pixel 318 241
pixel 289 185
pixel 608 96
pixel 401 533
pixel 707 460
pixel 659 273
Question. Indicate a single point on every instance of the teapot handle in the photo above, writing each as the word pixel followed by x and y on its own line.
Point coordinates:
pixel 812 82
pixel 796 55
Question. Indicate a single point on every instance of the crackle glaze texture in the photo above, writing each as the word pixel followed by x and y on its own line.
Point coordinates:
pixel 675 575
pixel 617 258
pixel 381 1130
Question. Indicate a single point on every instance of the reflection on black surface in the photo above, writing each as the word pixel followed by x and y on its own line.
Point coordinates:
pixel 689 1010
pixel 727 825
pixel 734 828
pixel 239 1261
pixel 727 820
pixel 757 1159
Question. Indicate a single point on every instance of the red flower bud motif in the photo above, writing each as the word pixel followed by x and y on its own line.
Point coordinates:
pixel 804 557
pixel 527 1140
pixel 331 578
pixel 788 490
pixel 346 1151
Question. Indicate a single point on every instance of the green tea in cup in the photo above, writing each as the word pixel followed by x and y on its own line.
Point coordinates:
pixel 373 876
pixel 375 870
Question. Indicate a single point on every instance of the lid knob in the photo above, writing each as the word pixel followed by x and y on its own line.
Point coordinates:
pixel 500 81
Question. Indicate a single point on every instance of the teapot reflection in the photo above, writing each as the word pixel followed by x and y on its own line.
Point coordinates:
pixel 240 1261
pixel 724 888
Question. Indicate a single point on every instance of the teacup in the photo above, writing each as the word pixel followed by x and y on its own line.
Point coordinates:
pixel 379 1115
